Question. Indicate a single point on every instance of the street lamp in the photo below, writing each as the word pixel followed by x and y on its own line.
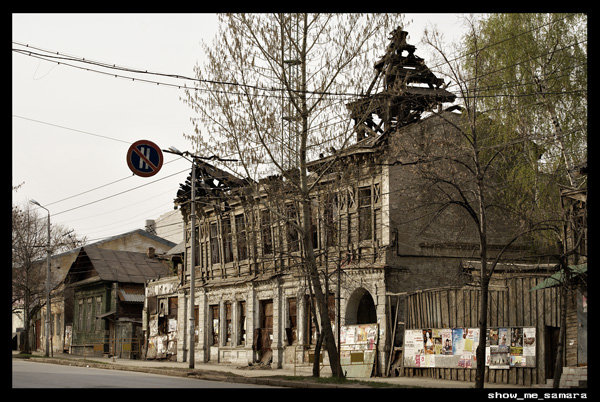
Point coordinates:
pixel 47 322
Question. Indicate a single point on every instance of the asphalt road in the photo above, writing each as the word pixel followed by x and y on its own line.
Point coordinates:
pixel 26 374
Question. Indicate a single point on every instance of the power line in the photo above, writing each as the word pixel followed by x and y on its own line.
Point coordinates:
pixel 122 192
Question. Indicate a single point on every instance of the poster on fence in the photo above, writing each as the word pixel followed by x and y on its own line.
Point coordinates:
pixel 358 346
pixel 457 347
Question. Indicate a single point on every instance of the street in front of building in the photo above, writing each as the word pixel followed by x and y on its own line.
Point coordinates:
pixel 27 374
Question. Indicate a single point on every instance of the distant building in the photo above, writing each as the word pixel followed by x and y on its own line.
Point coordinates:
pixel 61 299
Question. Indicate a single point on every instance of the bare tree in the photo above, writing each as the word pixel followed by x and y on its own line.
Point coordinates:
pixel 277 84
pixel 29 250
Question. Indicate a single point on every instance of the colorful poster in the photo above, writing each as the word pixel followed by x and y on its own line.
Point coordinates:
pixel 516 347
pixel 446 341
pixel 458 341
pixel 493 337
pixel 516 337
pixel 499 357
pixel 437 341
pixel 503 337
pixel 427 342
pixel 528 341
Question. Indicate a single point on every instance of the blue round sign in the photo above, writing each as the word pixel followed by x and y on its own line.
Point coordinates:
pixel 144 158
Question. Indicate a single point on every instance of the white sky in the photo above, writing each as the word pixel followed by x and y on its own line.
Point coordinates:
pixel 59 162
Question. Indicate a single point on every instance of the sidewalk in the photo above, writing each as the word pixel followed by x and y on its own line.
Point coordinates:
pixel 251 374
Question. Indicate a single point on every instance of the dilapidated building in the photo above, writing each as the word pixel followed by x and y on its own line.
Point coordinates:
pixel 252 299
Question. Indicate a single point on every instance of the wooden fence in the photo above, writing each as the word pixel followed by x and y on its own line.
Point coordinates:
pixel 510 304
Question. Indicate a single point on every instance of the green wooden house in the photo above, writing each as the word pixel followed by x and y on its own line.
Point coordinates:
pixel 108 298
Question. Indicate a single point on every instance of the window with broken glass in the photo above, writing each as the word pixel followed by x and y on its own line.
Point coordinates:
pixel 240 234
pixel 215 253
pixel 214 314
pixel 242 324
pixel 227 240
pixel 293 241
pixel 267 237
pixel 228 323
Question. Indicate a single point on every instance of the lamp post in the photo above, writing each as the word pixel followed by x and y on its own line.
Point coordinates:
pixel 47 321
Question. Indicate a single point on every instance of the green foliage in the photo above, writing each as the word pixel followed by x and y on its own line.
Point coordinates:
pixel 528 75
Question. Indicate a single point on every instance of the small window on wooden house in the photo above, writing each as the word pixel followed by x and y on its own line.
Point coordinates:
pixel 98 312
pixel 89 312
pixel 80 315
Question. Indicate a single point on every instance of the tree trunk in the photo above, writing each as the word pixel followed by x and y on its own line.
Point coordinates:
pixel 558 365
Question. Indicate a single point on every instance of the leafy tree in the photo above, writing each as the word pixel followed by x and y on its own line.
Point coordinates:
pixel 501 160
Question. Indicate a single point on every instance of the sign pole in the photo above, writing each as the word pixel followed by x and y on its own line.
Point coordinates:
pixel 193 264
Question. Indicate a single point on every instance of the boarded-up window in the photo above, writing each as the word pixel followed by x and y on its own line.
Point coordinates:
pixel 173 304
pixel 242 326
pixel 89 312
pixel 228 323
pixel 98 312
pixel 214 313
pixel 152 303
pixel 80 315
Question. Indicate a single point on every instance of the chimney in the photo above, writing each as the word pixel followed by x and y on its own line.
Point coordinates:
pixel 150 253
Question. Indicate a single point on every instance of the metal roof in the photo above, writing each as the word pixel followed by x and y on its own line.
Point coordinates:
pixel 122 266
pixel 558 277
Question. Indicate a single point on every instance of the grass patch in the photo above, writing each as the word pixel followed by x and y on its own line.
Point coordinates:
pixel 335 380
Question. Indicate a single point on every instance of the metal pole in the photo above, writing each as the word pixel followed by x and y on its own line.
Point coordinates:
pixel 48 291
pixel 193 264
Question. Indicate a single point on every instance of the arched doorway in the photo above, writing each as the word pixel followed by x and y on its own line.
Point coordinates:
pixel 360 308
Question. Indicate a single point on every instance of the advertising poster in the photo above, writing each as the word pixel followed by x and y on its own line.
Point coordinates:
pixel 427 341
pixel 528 341
pixel 516 347
pixel 458 341
pixel 499 357
pixel 503 337
pixel 413 347
pixel 493 337
pixel 446 341
pixel 437 342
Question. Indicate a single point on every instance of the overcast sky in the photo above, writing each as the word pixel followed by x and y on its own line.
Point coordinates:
pixel 71 128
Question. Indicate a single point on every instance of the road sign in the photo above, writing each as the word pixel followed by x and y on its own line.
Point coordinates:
pixel 144 158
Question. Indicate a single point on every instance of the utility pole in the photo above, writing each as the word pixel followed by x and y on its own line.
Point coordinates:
pixel 193 265
pixel 48 251
pixel 192 328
